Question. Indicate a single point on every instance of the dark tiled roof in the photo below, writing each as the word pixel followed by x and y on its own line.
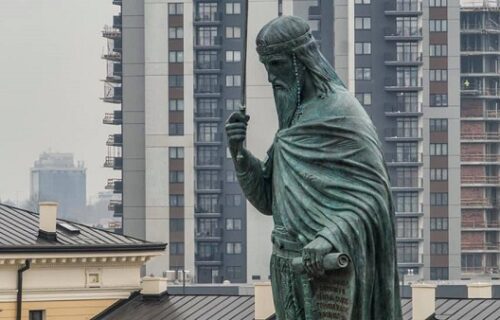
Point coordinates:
pixel 19 233
pixel 459 309
pixel 185 307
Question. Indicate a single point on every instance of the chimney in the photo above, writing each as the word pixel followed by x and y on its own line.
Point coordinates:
pixel 153 288
pixel 479 290
pixel 423 300
pixel 48 220
pixel 264 304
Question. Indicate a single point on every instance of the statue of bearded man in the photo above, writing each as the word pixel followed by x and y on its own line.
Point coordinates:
pixel 325 184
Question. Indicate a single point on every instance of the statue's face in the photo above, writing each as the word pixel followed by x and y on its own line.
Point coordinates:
pixel 281 74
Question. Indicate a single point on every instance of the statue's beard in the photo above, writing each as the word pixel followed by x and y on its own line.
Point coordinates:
pixel 286 103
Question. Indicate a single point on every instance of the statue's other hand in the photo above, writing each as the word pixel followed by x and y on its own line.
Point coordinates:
pixel 313 255
pixel 236 130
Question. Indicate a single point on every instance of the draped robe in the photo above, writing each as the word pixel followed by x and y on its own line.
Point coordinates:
pixel 325 177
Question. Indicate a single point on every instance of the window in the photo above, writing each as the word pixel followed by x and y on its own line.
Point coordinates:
pixel 438 100
pixel 176 152
pixel 438 50
pixel 233 272
pixel 438 125
pixel 407 26
pixel 231 176
pixel 175 8
pixel 439 174
pixel 176 248
pixel 407 102
pixel 207 11
pixel 407 152
pixel 207 36
pixel 207 60
pixel 407 127
pixel 438 149
pixel 439 198
pixel 437 3
pixel 176 224
pixel 206 108
pixel 363 23
pixel 176 105
pixel 407 227
pixel 472 261
pixel 407 77
pixel 364 98
pixel 176 56
pixel 439 224
pixel 207 155
pixel 363 47
pixel 208 203
pixel 233 247
pixel 175 81
pixel 407 51
pixel 407 252
pixel 176 200
pixel 363 73
pixel 233 8
pixel 208 250
pixel 233 200
pixel 208 179
pixel 233 80
pixel 438 25
pixel 208 132
pixel 207 83
pixel 438 75
pixel 208 227
pixel 37 315
pixel 233 32
pixel 175 33
pixel 176 176
pixel 233 224
pixel 176 129
pixel 233 104
pixel 362 1
pixel 407 202
pixel 439 273
pixel 439 248
pixel 233 56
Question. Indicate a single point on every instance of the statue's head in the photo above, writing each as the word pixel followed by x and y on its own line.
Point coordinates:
pixel 294 64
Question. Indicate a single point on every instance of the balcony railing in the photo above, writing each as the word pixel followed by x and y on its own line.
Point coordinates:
pixel 115 184
pixel 209 17
pixel 478 91
pixel 399 109
pixel 117 2
pixel 485 114
pixel 111 32
pixel 480 157
pixel 404 58
pixel 404 158
pixel 407 183
pixel 208 42
pixel 399 33
pixel 114 162
pixel 403 133
pixel 480 136
pixel 209 162
pixel 209 138
pixel 112 94
pixel 477 203
pixel 214 234
pixel 486 26
pixel 493 246
pixel 481 270
pixel 213 210
pixel 208 65
pixel 402 7
pixel 405 83
pixel 209 187
pixel 416 235
pixel 419 210
pixel 480 180
pixel 480 49
pixel 480 225
pixel 418 259
pixel 214 257
pixel 217 113
pixel 208 90
pixel 116 206
pixel 113 118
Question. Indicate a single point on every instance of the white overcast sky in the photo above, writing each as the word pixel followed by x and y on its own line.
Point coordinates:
pixel 50 71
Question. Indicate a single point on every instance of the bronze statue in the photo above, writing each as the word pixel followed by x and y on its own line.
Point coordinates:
pixel 325 184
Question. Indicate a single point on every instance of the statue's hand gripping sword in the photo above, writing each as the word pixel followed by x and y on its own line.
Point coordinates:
pixel 243 107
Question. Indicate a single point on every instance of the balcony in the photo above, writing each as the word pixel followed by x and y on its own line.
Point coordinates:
pixel 479 28
pixel 481 271
pixel 208 212
pixel 493 137
pixel 485 115
pixel 209 18
pixel 471 91
pixel 475 159
pixel 208 259
pixel 115 118
pixel 113 162
pixel 208 139
pixel 416 261
pixel 215 187
pixel 411 212
pixel 208 235
pixel 112 94
pixel 478 181
pixel 113 72
pixel 480 226
pixel 403 59
pixel 208 163
pixel 114 184
pixel 208 43
pixel 208 66
pixel 116 206
pixel 111 32
pixel 403 8
pixel 212 91
pixel 404 159
pixel 112 56
pixel 406 84
pixel 115 140
pixel 403 134
pixel 208 115
pixel 117 2
pixel 403 34
pixel 477 204
pixel 480 247
pixel 417 235
pixel 400 110
pixel 479 50
pixel 407 184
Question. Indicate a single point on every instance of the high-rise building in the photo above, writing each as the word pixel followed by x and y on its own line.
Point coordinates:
pixel 55 177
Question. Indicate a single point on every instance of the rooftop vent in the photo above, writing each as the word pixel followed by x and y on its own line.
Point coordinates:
pixel 68 228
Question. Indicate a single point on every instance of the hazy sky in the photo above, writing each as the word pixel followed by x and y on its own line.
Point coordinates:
pixel 50 72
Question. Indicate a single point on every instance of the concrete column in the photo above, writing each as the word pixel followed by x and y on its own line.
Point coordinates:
pixel 264 305
pixel 423 300
pixel 479 290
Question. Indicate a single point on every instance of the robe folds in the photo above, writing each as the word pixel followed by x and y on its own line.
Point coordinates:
pixel 326 177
